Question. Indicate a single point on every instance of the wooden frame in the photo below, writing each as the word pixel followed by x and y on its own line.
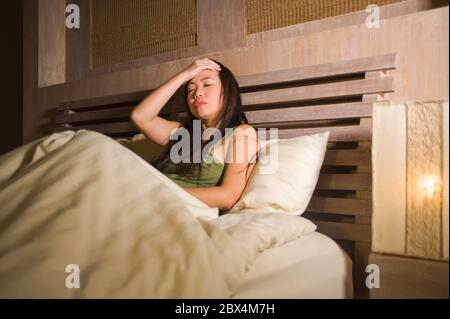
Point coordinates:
pixel 335 97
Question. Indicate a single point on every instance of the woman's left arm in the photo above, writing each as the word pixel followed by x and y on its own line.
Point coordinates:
pixel 239 165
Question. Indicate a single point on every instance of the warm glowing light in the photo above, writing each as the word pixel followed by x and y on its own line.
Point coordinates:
pixel 429 185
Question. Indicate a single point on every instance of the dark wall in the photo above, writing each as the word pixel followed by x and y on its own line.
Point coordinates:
pixel 11 13
pixel 439 3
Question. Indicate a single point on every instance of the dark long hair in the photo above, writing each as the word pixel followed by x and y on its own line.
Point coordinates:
pixel 231 115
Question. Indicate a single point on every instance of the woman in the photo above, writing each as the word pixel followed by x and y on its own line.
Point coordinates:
pixel 212 97
pixel 77 204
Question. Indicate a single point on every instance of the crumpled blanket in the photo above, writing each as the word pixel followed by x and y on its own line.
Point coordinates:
pixel 80 198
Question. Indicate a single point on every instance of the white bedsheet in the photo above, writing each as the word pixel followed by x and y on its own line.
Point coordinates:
pixel 84 217
pixel 312 266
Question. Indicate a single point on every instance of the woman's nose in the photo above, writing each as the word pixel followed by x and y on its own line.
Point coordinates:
pixel 198 94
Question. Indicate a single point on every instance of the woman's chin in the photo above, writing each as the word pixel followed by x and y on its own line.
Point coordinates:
pixel 203 116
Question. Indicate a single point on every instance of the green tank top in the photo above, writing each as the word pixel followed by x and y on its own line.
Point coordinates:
pixel 212 170
pixel 210 176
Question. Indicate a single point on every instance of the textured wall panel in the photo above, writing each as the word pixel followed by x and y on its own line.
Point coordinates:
pixel 263 15
pixel 423 180
pixel 52 39
pixel 124 30
pixel 410 179
pixel 445 211
pixel 389 177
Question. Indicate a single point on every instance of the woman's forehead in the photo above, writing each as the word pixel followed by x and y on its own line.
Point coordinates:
pixel 203 76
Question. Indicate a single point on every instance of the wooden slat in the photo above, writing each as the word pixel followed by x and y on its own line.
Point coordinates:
pixel 308 113
pixel 361 194
pixel 364 220
pixel 361 233
pixel 347 157
pixel 120 127
pixel 368 64
pixel 337 133
pixel 321 91
pixel 94 115
pixel 372 97
pixel 374 63
pixel 361 181
pixel 104 100
pixel 344 206
pixel 376 74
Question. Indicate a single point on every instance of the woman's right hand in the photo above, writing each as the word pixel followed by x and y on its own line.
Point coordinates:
pixel 197 66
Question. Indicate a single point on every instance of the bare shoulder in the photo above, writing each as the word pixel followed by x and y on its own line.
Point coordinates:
pixel 245 130
pixel 245 126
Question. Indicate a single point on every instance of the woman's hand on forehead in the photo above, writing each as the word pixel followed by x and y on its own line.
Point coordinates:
pixel 199 65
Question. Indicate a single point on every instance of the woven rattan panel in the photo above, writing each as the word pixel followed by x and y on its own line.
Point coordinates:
pixel 263 15
pixel 125 30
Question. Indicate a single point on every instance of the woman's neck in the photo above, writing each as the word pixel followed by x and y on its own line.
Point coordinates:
pixel 208 124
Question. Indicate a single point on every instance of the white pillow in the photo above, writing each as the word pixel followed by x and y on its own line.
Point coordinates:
pixel 285 176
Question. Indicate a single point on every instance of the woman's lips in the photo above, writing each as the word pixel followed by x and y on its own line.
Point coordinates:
pixel 198 104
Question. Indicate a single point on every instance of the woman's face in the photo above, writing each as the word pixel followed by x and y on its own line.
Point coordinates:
pixel 204 96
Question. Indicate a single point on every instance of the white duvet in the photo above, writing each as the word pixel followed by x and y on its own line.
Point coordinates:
pixel 80 198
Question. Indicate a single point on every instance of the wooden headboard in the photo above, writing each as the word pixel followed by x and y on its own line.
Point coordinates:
pixel 335 97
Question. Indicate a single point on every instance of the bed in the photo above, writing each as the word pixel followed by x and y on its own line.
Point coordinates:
pixel 312 266
pixel 84 217
pixel 335 97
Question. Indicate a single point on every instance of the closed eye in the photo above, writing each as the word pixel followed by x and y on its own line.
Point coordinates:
pixel 189 91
